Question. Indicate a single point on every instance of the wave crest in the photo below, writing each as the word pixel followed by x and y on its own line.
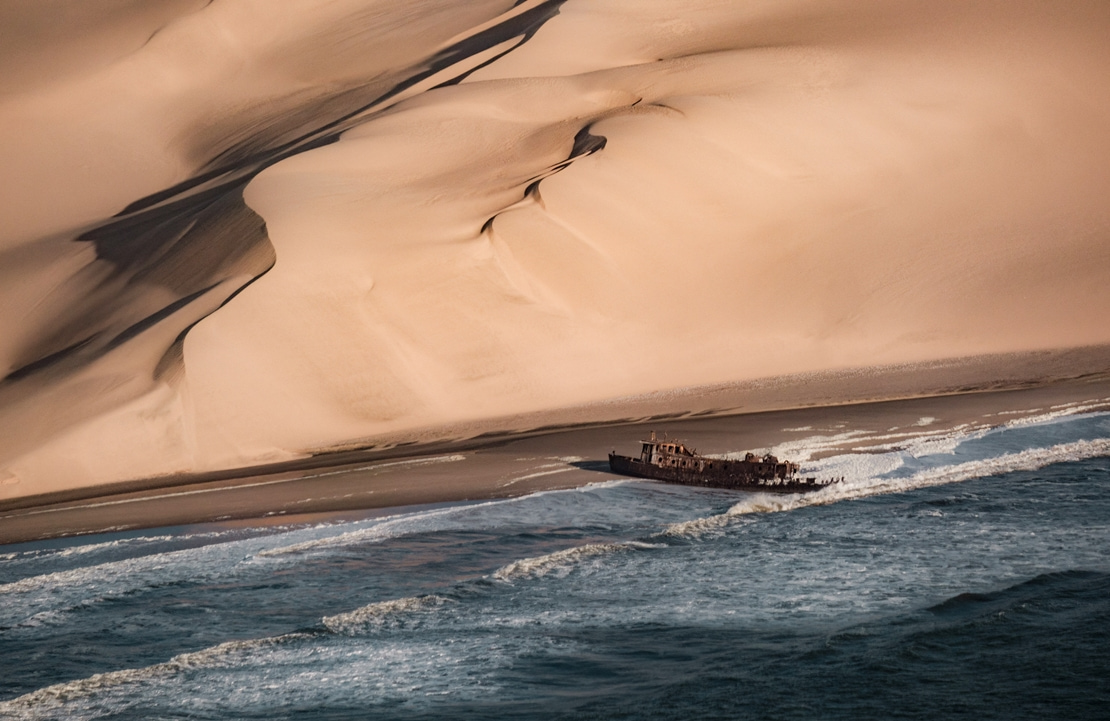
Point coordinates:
pixel 1027 460
pixel 378 615
pixel 560 563
pixel 229 654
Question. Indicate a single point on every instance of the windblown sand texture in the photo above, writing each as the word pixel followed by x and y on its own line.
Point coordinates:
pixel 243 230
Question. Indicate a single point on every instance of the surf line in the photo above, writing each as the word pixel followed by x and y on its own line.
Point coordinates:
pixel 537 475
pixel 122 501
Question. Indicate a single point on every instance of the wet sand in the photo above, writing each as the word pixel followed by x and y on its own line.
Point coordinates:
pixel 488 464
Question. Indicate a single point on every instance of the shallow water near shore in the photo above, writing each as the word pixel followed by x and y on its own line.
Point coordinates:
pixel 959 572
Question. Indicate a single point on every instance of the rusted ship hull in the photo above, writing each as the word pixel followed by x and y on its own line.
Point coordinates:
pixel 713 473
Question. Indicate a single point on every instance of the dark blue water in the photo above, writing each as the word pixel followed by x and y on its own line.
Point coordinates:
pixel 959 575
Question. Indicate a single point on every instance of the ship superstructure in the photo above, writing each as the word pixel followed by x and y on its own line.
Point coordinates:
pixel 672 462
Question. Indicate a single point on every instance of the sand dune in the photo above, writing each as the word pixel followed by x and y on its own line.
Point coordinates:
pixel 235 235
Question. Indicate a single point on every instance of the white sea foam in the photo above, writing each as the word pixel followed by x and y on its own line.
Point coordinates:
pixel 861 486
pixel 560 563
pixel 1027 460
pixel 65 590
pixel 384 529
pixel 492 513
pixel 802 449
pixel 946 442
pixel 537 474
pixel 51 698
pixel 921 443
pixel 246 674
pixel 1091 408
pixel 135 545
pixel 918 440
pixel 377 615
pixel 866 471
pixel 854 467
pixel 80 549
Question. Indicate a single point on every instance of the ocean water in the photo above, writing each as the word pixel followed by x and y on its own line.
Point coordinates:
pixel 956 573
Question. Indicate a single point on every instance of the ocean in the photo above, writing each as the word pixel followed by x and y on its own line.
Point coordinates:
pixel 959 572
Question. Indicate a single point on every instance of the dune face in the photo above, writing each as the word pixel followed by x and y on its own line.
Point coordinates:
pixel 237 233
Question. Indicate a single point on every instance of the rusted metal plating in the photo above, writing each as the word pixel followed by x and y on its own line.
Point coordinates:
pixel 672 462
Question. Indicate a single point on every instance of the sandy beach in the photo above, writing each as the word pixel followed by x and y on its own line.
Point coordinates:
pixel 357 482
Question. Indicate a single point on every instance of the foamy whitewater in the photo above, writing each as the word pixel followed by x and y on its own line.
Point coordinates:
pixel 953 574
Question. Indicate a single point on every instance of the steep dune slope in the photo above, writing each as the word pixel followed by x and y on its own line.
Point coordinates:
pixel 621 197
pixel 97 309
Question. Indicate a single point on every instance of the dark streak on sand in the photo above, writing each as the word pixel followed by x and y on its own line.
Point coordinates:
pixel 51 359
pixel 244 160
pixel 181 237
pixel 585 144
pixel 198 234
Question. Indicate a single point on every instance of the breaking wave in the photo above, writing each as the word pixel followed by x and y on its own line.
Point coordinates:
pixel 561 563
pixel 861 486
pixel 117 683
pixel 495 513
pixel 1064 410
pixel 381 614
pixel 478 603
pixel 390 527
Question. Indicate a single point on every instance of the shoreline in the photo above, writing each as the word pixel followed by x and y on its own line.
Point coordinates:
pixel 468 461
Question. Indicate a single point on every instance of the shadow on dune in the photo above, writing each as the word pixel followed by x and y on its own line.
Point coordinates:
pixel 170 259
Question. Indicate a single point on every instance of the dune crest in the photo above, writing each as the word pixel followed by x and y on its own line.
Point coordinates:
pixel 356 219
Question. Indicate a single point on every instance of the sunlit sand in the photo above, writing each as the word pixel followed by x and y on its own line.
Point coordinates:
pixel 349 225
